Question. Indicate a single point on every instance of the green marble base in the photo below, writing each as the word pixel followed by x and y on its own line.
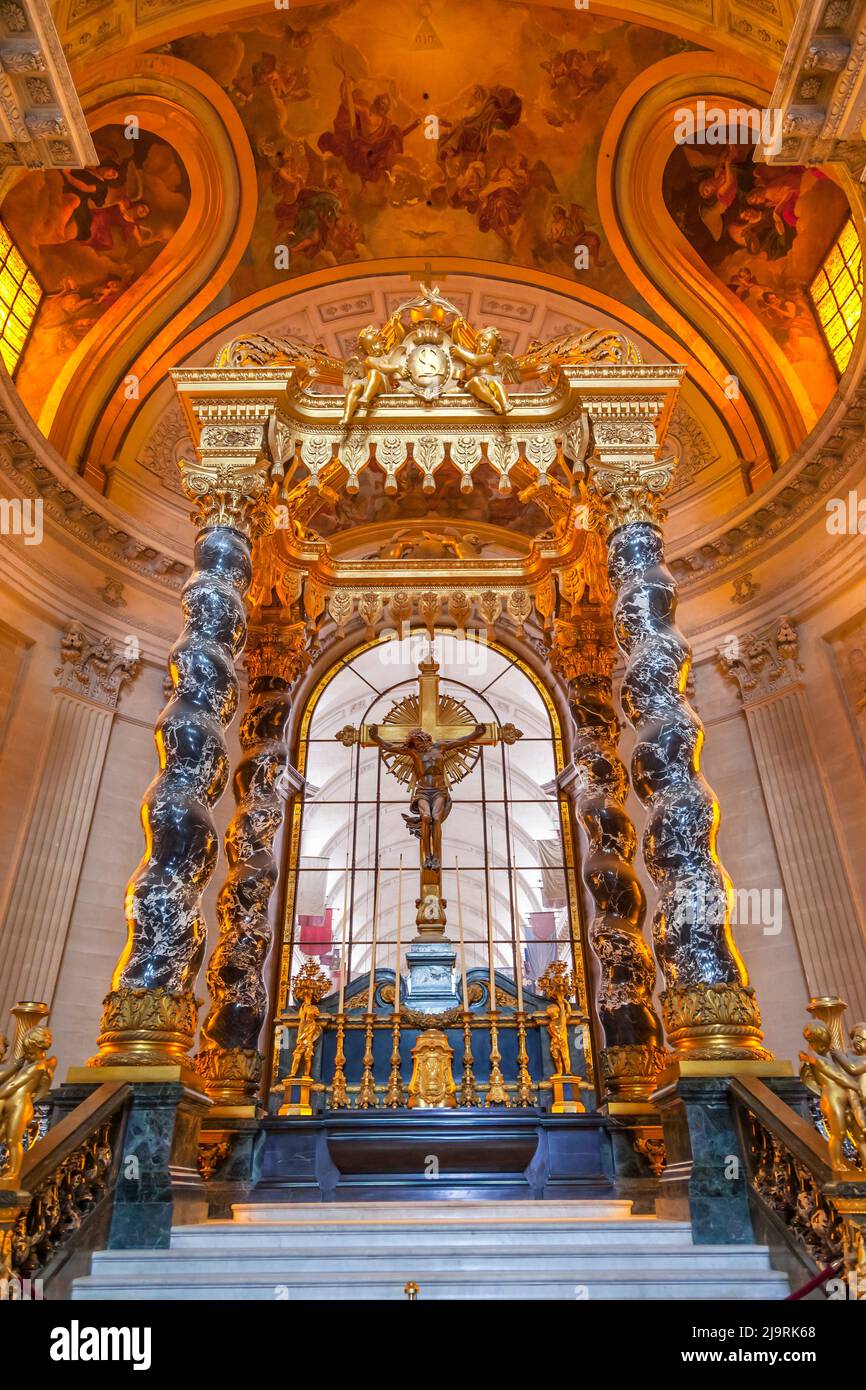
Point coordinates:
pixel 158 1182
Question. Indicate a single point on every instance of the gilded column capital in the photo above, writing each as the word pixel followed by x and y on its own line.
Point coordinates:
pixel 631 492
pixel 277 652
pixel 763 663
pixel 230 490
pixel 582 650
pixel 626 478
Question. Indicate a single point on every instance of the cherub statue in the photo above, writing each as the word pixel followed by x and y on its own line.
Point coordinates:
pixel 377 365
pixel 556 984
pixel 557 1032
pixel 24 1080
pixel 828 1072
pixel 484 367
pixel 310 986
pixel 309 1032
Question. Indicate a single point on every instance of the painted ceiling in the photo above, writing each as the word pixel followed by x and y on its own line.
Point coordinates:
pixel 283 155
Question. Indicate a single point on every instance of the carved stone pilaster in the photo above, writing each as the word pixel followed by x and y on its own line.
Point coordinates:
pixel 228 1058
pixel 822 903
pixel 632 1055
pixel 38 910
pixel 708 1008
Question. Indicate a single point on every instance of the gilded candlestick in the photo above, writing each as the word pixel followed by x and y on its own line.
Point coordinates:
pixel 468 1088
pixel 394 1095
pixel 367 1093
pixel 496 1090
pixel 339 1093
pixel 525 1094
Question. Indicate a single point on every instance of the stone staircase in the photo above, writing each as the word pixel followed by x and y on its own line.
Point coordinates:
pixel 451 1250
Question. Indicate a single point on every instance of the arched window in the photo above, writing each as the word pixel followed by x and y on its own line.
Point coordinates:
pixel 508 854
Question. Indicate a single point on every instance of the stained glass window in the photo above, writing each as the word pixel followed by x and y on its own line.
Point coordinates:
pixel 837 293
pixel 20 293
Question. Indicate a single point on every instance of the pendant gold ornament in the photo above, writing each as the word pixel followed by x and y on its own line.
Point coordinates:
pixel 432 1084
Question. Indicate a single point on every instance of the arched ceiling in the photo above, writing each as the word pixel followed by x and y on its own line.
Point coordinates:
pixel 495 142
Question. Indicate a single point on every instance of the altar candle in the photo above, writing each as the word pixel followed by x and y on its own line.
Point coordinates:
pixel 343 938
pixel 518 955
pixel 397 959
pixel 462 942
pixel 490 959
pixel 372 987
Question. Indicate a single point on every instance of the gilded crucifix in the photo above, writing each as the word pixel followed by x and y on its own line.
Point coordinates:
pixel 429 741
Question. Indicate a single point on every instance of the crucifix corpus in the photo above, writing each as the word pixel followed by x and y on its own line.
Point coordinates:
pixel 429 741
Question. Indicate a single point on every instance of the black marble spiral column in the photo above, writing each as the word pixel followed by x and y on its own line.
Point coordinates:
pixel 633 1054
pixel 709 1009
pixel 149 1016
pixel 228 1056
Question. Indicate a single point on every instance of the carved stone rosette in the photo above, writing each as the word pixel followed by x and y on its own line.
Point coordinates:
pixel 709 1010
pixel 632 1055
pixel 150 1014
pixel 228 1058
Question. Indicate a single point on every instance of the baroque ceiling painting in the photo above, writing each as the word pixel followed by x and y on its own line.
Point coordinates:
pixel 88 236
pixel 764 233
pixel 395 139
pixel 374 137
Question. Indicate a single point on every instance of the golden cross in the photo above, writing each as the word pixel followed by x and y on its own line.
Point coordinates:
pixel 427 275
pixel 430 801
pixel 428 717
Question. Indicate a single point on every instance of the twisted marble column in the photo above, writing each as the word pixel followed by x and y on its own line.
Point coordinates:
pixel 709 1009
pixel 632 1055
pixel 149 1016
pixel 228 1056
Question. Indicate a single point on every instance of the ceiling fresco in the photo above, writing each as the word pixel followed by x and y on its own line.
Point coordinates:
pixel 89 235
pixel 487 138
pixel 763 232
pixel 343 103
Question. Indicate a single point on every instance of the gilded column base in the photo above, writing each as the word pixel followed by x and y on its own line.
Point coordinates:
pixel 146 1028
pixel 713 1022
pixel 297 1093
pixel 630 1071
pixel 232 1075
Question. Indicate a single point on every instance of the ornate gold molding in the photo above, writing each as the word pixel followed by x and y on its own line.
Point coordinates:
pixel 228 492
pixel 277 652
pixel 145 1027
pixel 714 1022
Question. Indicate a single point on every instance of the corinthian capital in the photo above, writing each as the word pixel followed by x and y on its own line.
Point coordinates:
pixel 277 652
pixel 764 662
pixel 631 493
pixel 229 492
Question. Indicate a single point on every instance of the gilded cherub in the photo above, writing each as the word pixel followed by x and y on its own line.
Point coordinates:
pixel 309 1032
pixel 557 1032
pixel 377 366
pixel 484 367
pixel 828 1071
pixel 24 1080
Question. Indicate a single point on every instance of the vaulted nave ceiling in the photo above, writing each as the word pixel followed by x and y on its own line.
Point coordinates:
pixel 247 202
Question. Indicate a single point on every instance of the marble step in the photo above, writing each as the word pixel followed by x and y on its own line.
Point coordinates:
pixel 405 1260
pixel 506 1283
pixel 428 1213
pixel 229 1236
